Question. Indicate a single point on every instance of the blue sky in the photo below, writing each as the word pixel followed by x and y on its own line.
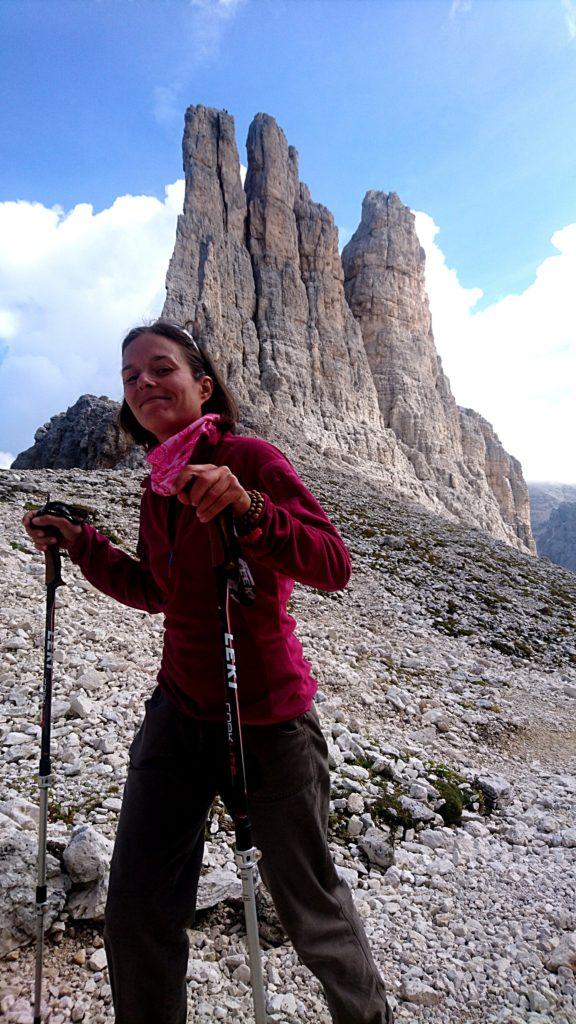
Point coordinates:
pixel 465 108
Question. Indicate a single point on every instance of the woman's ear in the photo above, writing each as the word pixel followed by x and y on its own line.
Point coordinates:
pixel 206 388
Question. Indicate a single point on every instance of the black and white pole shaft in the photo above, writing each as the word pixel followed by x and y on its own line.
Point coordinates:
pixel 53 581
pixel 246 854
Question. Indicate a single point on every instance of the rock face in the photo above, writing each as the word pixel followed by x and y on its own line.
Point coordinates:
pixel 257 275
pixel 483 451
pixel 455 452
pixel 557 538
pixel 86 436
pixel 552 511
pixel 344 356
pixel 544 498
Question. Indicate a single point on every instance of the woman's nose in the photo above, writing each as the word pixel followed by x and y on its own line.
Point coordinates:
pixel 144 381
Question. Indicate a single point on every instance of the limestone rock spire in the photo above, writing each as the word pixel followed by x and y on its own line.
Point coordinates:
pixel 339 354
pixel 453 451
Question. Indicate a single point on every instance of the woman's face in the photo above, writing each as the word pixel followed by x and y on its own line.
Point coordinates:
pixel 159 386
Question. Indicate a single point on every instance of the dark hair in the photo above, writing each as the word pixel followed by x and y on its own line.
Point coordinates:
pixel 221 400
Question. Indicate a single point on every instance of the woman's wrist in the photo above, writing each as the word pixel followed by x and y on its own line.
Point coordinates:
pixel 242 506
pixel 76 546
pixel 250 519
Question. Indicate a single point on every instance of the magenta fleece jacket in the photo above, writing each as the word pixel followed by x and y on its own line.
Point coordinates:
pixel 298 542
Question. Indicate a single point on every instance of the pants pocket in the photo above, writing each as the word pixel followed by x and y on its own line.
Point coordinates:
pixel 278 760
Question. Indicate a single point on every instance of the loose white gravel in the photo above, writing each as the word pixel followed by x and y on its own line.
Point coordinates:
pixel 447 649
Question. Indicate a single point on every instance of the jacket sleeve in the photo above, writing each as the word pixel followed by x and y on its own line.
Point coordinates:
pixel 115 573
pixel 296 537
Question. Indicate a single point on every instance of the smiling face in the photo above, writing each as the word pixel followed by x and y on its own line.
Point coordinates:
pixel 159 386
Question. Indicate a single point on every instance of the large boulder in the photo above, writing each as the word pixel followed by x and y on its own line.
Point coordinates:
pixel 18 877
pixel 86 436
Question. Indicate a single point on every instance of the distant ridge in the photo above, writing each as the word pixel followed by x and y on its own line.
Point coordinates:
pixel 553 513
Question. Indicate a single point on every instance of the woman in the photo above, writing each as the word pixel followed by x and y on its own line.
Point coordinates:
pixel 177 406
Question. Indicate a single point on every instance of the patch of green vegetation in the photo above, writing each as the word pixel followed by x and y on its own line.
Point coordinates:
pixel 17 546
pixel 491 601
pixel 388 809
pixel 413 543
pixel 59 812
pixel 563 597
pixel 456 791
pixel 67 813
pixel 518 647
pixel 384 773
pixel 454 801
pixel 337 827
pixel 450 626
pixel 225 823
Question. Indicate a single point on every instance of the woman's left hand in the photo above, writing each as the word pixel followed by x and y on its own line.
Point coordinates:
pixel 213 489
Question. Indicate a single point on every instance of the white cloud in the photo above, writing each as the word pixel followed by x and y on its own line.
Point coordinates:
pixel 570 16
pixel 207 21
pixel 460 7
pixel 71 285
pixel 514 361
pixel 8 324
pixel 6 460
pixel 217 8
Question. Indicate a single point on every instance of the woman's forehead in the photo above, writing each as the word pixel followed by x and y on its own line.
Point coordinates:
pixel 151 346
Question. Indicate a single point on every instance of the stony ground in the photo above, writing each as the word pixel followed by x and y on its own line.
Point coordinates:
pixel 447 672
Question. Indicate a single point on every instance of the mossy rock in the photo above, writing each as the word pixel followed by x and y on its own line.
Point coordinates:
pixel 449 784
pixel 454 802
pixel 337 828
pixel 388 809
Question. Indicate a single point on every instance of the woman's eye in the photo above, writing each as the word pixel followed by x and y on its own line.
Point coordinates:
pixel 163 370
pixel 131 379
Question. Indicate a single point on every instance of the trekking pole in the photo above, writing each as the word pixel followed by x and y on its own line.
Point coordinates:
pixel 234 580
pixel 53 581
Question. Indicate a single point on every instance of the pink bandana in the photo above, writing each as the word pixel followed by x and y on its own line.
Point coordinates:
pixel 170 457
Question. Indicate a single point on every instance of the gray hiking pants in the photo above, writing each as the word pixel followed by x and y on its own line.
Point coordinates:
pixel 177 765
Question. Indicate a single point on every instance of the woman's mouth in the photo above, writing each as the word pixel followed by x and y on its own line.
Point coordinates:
pixel 154 398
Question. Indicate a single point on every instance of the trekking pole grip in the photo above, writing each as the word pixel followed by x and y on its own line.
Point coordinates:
pixel 53 566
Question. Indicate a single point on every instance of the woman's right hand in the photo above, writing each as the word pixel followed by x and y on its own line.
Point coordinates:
pixel 42 540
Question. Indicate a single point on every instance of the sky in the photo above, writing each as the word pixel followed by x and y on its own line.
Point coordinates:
pixel 465 108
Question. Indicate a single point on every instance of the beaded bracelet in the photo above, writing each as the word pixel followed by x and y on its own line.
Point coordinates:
pixel 246 523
